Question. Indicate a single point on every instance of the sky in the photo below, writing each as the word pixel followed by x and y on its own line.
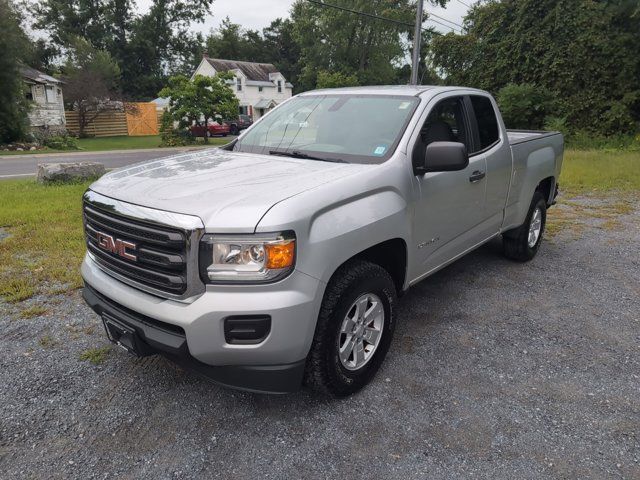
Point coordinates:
pixel 257 14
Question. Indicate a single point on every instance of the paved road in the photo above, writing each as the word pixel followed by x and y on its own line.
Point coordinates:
pixel 498 370
pixel 17 166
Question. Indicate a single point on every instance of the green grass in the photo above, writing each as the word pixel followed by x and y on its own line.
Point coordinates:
pixel 600 171
pixel 105 144
pixel 45 245
pixel 96 355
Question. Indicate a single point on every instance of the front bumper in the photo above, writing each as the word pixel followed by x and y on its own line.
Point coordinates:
pixel 192 334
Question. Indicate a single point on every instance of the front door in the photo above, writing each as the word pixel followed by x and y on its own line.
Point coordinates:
pixel 449 215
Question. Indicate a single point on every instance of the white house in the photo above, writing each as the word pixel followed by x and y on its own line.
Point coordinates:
pixel 45 95
pixel 258 86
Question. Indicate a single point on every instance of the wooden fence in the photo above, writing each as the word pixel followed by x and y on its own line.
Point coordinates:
pixel 145 121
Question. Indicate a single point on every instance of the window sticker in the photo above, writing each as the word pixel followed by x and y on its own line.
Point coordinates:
pixel 404 105
pixel 380 150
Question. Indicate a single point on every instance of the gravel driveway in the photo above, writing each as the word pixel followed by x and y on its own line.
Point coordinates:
pixel 497 370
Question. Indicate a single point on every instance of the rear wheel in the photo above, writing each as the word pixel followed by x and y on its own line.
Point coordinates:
pixel 354 329
pixel 522 243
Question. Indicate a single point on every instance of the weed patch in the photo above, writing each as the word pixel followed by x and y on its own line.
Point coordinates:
pixel 47 342
pixel 96 356
pixel 33 311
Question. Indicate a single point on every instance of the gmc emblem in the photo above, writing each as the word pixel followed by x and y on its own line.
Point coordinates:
pixel 117 246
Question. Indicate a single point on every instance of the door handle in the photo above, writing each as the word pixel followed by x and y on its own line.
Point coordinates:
pixel 476 176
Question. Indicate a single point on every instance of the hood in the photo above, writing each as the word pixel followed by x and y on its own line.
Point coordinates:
pixel 229 191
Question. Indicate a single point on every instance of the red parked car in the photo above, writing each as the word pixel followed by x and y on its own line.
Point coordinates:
pixel 213 128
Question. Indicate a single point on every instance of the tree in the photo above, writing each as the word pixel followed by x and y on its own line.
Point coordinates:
pixel 335 80
pixel 227 41
pixel 91 82
pixel 14 44
pixel 524 106
pixel 585 52
pixel 147 47
pixel 200 100
pixel 281 44
pixel 335 40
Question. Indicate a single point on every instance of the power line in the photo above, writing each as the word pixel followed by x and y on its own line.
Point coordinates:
pixel 378 17
pixel 364 14
pixel 463 3
pixel 440 23
pixel 445 19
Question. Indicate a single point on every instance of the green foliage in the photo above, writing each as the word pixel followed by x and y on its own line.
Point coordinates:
pixel 14 44
pixel 585 53
pixel 146 46
pixel 199 100
pixel 338 41
pixel 556 124
pixel 83 59
pixel 583 140
pixel 524 106
pixel 62 142
pixel 335 80
pixel 91 81
pixel 172 137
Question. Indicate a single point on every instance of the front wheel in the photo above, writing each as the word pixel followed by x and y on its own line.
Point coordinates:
pixel 522 243
pixel 354 329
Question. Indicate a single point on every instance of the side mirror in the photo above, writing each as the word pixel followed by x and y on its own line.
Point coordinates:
pixel 444 157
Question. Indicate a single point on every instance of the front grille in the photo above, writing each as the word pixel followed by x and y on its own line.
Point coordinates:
pixel 161 256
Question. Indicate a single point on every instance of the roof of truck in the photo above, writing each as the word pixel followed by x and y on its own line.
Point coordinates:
pixel 409 90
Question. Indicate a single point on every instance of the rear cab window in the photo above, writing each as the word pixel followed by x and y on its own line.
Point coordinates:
pixel 486 121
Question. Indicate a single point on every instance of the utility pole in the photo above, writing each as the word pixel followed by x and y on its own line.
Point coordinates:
pixel 417 37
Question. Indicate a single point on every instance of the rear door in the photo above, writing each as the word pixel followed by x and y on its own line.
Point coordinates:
pixel 490 142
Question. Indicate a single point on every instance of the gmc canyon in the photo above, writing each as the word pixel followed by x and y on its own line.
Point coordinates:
pixel 277 260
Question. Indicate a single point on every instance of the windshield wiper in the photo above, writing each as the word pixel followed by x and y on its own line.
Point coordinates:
pixel 297 154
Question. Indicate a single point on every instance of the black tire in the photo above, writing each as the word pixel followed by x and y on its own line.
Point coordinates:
pixel 234 130
pixel 324 370
pixel 516 242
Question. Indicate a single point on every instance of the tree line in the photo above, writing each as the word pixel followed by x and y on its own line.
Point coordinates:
pixel 570 64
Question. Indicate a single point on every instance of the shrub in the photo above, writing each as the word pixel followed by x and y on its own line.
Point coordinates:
pixel 557 124
pixel 173 137
pixel 524 106
pixel 335 80
pixel 61 142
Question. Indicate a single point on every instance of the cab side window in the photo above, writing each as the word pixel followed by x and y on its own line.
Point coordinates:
pixel 486 119
pixel 445 123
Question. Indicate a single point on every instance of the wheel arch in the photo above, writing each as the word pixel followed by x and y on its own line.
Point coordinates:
pixel 547 187
pixel 390 254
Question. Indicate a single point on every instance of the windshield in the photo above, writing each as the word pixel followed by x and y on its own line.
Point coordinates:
pixel 342 128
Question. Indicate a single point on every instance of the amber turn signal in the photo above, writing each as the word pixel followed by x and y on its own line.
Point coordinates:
pixel 280 255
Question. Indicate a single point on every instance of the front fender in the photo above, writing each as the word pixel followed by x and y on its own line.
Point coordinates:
pixel 331 235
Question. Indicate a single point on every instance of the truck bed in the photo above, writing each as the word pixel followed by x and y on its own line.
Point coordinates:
pixel 521 136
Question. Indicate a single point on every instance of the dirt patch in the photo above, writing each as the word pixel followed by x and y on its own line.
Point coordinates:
pixel 571 216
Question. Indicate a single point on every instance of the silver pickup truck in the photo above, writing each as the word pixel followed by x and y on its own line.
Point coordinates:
pixel 277 260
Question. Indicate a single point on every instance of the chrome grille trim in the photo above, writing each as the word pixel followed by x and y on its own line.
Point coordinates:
pixel 115 213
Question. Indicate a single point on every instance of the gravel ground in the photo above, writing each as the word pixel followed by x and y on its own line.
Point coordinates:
pixel 497 370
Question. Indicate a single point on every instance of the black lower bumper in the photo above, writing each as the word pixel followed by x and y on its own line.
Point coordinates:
pixel 157 337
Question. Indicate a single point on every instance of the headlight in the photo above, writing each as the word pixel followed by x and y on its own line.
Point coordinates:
pixel 256 258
